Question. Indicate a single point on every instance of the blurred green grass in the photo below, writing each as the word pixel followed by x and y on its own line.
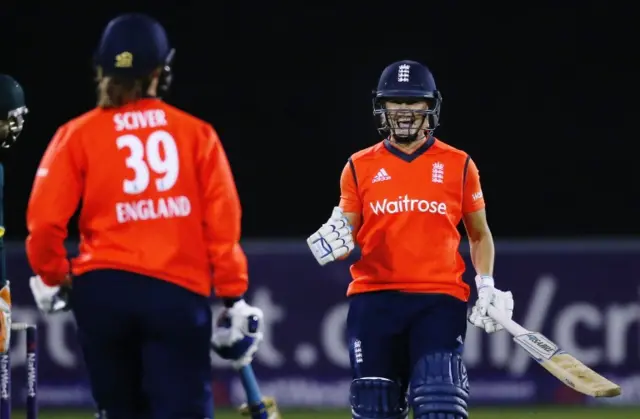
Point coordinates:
pixel 480 413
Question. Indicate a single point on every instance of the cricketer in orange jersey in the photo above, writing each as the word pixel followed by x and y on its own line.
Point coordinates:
pixel 154 182
pixel 401 203
pixel 159 228
pixel 406 209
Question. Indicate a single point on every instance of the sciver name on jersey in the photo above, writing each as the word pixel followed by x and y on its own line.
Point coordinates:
pixel 155 185
pixel 129 121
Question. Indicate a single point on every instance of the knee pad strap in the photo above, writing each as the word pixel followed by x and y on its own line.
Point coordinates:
pixel 377 398
pixel 440 387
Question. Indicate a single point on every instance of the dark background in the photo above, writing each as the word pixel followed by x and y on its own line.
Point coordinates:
pixel 540 95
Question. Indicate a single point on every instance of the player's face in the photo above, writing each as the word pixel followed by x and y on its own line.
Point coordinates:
pixel 407 118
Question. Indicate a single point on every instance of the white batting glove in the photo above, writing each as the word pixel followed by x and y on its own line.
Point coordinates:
pixel 489 295
pixel 47 298
pixel 486 289
pixel 238 333
pixel 333 240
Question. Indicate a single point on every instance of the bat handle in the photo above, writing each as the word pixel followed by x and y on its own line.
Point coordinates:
pixel 250 384
pixel 511 326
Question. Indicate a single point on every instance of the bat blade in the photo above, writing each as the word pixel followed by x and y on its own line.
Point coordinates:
pixel 269 404
pixel 578 376
pixel 565 367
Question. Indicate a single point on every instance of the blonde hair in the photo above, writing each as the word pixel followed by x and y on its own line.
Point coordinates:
pixel 114 92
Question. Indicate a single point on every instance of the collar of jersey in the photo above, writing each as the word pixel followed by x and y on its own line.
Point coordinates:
pixel 406 156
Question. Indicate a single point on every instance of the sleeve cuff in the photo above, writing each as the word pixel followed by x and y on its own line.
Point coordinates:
pixel 53 280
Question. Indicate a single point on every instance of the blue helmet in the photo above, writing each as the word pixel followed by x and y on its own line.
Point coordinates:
pixel 134 45
pixel 13 109
pixel 407 82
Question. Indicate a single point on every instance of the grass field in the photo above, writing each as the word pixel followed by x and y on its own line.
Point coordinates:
pixel 502 413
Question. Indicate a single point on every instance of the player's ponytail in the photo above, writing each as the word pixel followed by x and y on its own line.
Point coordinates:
pixel 114 92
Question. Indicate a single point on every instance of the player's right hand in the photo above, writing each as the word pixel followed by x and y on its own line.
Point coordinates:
pixel 5 318
pixel 49 299
pixel 238 333
pixel 333 240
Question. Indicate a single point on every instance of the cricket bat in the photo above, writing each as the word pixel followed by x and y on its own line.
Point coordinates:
pixel 257 407
pixel 560 364
pixel 3 269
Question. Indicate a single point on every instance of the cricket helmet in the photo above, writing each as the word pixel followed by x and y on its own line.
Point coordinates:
pixel 12 110
pixel 134 45
pixel 406 81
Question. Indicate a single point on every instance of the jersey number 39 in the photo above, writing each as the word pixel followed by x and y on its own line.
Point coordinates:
pixel 158 153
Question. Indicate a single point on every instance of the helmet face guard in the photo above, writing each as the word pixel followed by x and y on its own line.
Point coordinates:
pixel 15 124
pixel 13 109
pixel 406 84
pixel 405 123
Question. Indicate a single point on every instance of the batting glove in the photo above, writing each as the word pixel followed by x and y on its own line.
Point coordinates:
pixel 48 299
pixel 238 334
pixel 486 289
pixel 333 240
pixel 489 295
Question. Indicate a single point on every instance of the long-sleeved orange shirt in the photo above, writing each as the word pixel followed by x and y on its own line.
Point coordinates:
pixel 158 198
pixel 411 205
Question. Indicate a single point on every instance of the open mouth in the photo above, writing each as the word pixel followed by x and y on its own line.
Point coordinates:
pixel 405 123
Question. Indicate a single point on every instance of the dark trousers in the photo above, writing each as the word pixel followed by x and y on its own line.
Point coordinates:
pixel 390 331
pixel 146 345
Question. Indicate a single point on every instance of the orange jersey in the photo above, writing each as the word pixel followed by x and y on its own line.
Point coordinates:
pixel 158 198
pixel 411 205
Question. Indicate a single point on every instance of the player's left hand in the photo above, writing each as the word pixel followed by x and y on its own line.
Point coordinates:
pixel 489 295
pixel 238 333
pixel 503 301
pixel 5 318
pixel 49 299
